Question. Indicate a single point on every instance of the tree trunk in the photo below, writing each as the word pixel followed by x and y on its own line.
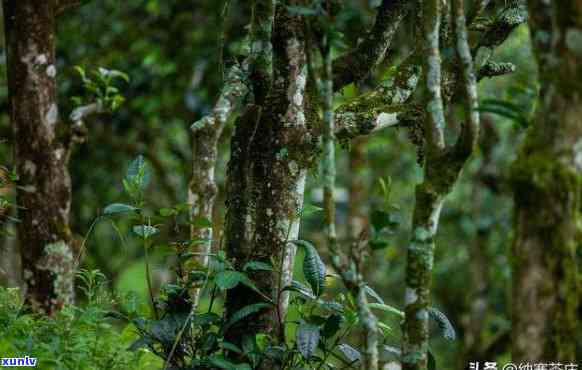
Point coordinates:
pixel 44 191
pixel 270 153
pixel 442 167
pixel 547 183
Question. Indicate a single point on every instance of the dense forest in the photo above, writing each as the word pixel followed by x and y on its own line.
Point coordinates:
pixel 291 184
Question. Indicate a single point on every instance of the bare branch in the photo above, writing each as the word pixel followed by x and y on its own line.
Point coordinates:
pixel 356 64
pixel 470 130
pixel 435 120
pixel 233 92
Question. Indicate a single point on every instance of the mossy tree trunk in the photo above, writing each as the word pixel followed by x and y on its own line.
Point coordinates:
pixel 547 183
pixel 270 154
pixel 442 167
pixel 44 187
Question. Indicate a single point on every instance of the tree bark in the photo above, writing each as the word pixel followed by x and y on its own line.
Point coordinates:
pixel 270 154
pixel 442 167
pixel 203 190
pixel 547 183
pixel 44 188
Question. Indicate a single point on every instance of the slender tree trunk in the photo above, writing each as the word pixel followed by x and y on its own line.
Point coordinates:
pixel 478 303
pixel 547 183
pixel 442 167
pixel 203 190
pixel 44 187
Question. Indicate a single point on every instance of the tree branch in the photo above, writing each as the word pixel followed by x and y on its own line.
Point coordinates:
pixel 389 103
pixel 470 131
pixel 494 69
pixel 62 6
pixel 356 64
pixel 381 107
pixel 233 91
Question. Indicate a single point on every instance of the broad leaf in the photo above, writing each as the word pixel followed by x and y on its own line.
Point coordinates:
pixel 332 325
pixel 313 267
pixel 297 287
pixel 307 337
pixel 227 279
pixel 257 266
pixel 350 352
pixel 244 312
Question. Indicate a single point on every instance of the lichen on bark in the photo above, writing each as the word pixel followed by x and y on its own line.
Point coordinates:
pixel 41 152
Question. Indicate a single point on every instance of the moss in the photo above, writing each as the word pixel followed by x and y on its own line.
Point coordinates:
pixel 541 174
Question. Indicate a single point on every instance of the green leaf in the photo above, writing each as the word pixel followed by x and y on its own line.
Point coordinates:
pixel 201 222
pixel 387 308
pixel 138 173
pixel 382 219
pixel 332 325
pixel 165 212
pixel 349 352
pixel 244 312
pixel 297 287
pixel 313 267
pixel 385 328
pixel 307 338
pixel 117 208
pixel 145 231
pixel 196 276
pixel 230 347
pixel 205 319
pixel 332 306
pixel 227 279
pixel 257 266
pixel 372 293
pixel 443 322
pixel 309 209
pixel 378 243
pixel 244 279
pixel 221 362
pixel 431 361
